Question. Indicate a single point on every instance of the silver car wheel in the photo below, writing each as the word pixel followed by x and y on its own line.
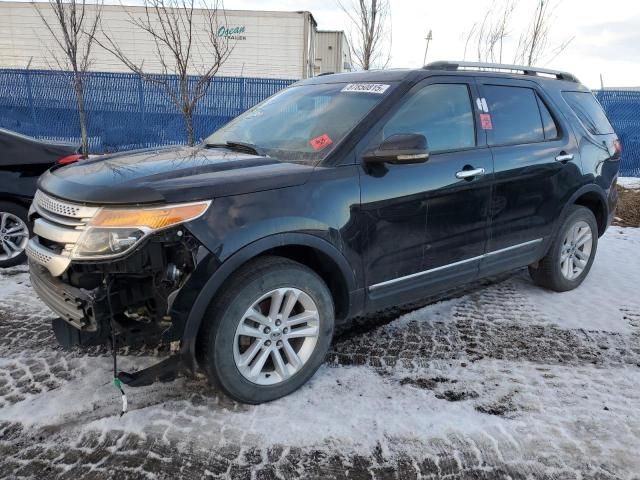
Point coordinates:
pixel 14 235
pixel 276 336
pixel 576 250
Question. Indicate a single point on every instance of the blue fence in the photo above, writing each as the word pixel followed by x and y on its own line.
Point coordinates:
pixel 123 111
pixel 623 110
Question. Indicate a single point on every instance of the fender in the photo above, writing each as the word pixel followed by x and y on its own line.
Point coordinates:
pixel 589 188
pixel 211 274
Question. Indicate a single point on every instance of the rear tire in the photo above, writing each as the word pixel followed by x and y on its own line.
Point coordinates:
pixel 571 254
pixel 268 331
pixel 14 234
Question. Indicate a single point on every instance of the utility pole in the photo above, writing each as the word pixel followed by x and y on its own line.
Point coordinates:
pixel 428 38
pixel 601 83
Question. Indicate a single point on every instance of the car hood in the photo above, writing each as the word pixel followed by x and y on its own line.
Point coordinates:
pixel 175 174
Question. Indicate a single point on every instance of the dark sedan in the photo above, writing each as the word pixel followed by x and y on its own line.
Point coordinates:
pixel 22 160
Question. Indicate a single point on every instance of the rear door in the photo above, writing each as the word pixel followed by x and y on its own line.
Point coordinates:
pixel 536 162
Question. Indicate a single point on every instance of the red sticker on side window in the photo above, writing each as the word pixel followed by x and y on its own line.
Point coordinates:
pixel 320 142
pixel 485 121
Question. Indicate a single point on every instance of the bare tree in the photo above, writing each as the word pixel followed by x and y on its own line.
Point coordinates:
pixel 489 35
pixel 188 44
pixel 73 27
pixel 534 41
pixel 370 35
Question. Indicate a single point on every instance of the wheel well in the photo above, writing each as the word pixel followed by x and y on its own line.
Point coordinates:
pixel 324 266
pixel 593 202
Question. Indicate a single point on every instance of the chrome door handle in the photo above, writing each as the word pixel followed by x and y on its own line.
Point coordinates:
pixel 564 157
pixel 476 172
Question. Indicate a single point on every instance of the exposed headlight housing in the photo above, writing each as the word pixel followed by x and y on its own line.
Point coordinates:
pixel 114 231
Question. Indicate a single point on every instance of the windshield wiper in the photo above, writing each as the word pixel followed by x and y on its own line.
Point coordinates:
pixel 239 147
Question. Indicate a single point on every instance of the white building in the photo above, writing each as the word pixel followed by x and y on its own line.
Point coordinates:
pixel 265 44
pixel 333 53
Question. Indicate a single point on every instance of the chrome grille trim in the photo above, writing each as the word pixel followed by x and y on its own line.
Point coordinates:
pixel 56 264
pixel 55 233
pixel 64 209
pixel 59 222
pixel 57 218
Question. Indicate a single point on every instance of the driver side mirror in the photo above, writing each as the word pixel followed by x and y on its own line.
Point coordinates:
pixel 399 148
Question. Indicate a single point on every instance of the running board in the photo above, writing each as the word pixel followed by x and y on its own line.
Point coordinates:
pixel 165 371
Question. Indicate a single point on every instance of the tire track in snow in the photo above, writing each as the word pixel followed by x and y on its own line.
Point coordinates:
pixel 498 322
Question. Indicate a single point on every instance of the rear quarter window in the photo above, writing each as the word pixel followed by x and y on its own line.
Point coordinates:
pixel 589 112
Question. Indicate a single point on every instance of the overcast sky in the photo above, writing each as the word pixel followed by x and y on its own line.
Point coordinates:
pixel 607 32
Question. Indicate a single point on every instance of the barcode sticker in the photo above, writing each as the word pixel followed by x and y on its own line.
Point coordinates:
pixel 378 88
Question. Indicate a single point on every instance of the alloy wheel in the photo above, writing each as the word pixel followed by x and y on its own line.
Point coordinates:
pixel 276 336
pixel 14 235
pixel 576 250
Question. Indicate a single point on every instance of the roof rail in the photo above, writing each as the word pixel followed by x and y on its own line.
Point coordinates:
pixel 501 68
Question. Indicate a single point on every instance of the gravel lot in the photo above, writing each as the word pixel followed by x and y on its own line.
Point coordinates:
pixel 506 381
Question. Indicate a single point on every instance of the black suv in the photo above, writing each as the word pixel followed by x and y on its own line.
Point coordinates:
pixel 338 197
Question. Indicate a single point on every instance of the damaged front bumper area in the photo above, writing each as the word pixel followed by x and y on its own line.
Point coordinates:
pixel 129 297
pixel 77 307
pixel 84 299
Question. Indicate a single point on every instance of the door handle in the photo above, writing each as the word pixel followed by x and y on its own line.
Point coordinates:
pixel 476 172
pixel 564 157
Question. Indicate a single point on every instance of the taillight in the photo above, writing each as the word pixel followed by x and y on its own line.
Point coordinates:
pixel 617 145
pixel 69 159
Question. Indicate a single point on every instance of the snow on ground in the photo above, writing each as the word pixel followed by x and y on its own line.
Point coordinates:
pixel 507 381
pixel 600 302
pixel 629 182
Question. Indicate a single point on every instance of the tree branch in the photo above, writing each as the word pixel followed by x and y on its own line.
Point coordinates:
pixel 178 30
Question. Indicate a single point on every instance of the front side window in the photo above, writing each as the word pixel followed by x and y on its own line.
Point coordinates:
pixel 515 115
pixel 440 112
pixel 303 123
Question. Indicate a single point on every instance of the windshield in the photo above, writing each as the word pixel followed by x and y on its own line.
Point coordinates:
pixel 302 123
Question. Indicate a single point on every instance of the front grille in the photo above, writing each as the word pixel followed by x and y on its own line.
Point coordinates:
pixel 56 206
pixel 38 255
pixel 58 225
pixel 64 211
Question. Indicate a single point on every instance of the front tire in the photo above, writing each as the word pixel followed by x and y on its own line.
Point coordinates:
pixel 572 252
pixel 14 234
pixel 268 331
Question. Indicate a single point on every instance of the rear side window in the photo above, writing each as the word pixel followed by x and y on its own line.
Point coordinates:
pixel 589 111
pixel 440 112
pixel 515 115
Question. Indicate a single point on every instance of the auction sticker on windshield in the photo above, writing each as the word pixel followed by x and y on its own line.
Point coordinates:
pixel 321 142
pixel 378 88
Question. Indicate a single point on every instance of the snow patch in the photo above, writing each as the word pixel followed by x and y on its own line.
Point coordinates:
pixel 610 288
pixel 629 182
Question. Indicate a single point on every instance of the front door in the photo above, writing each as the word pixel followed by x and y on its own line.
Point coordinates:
pixel 427 222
